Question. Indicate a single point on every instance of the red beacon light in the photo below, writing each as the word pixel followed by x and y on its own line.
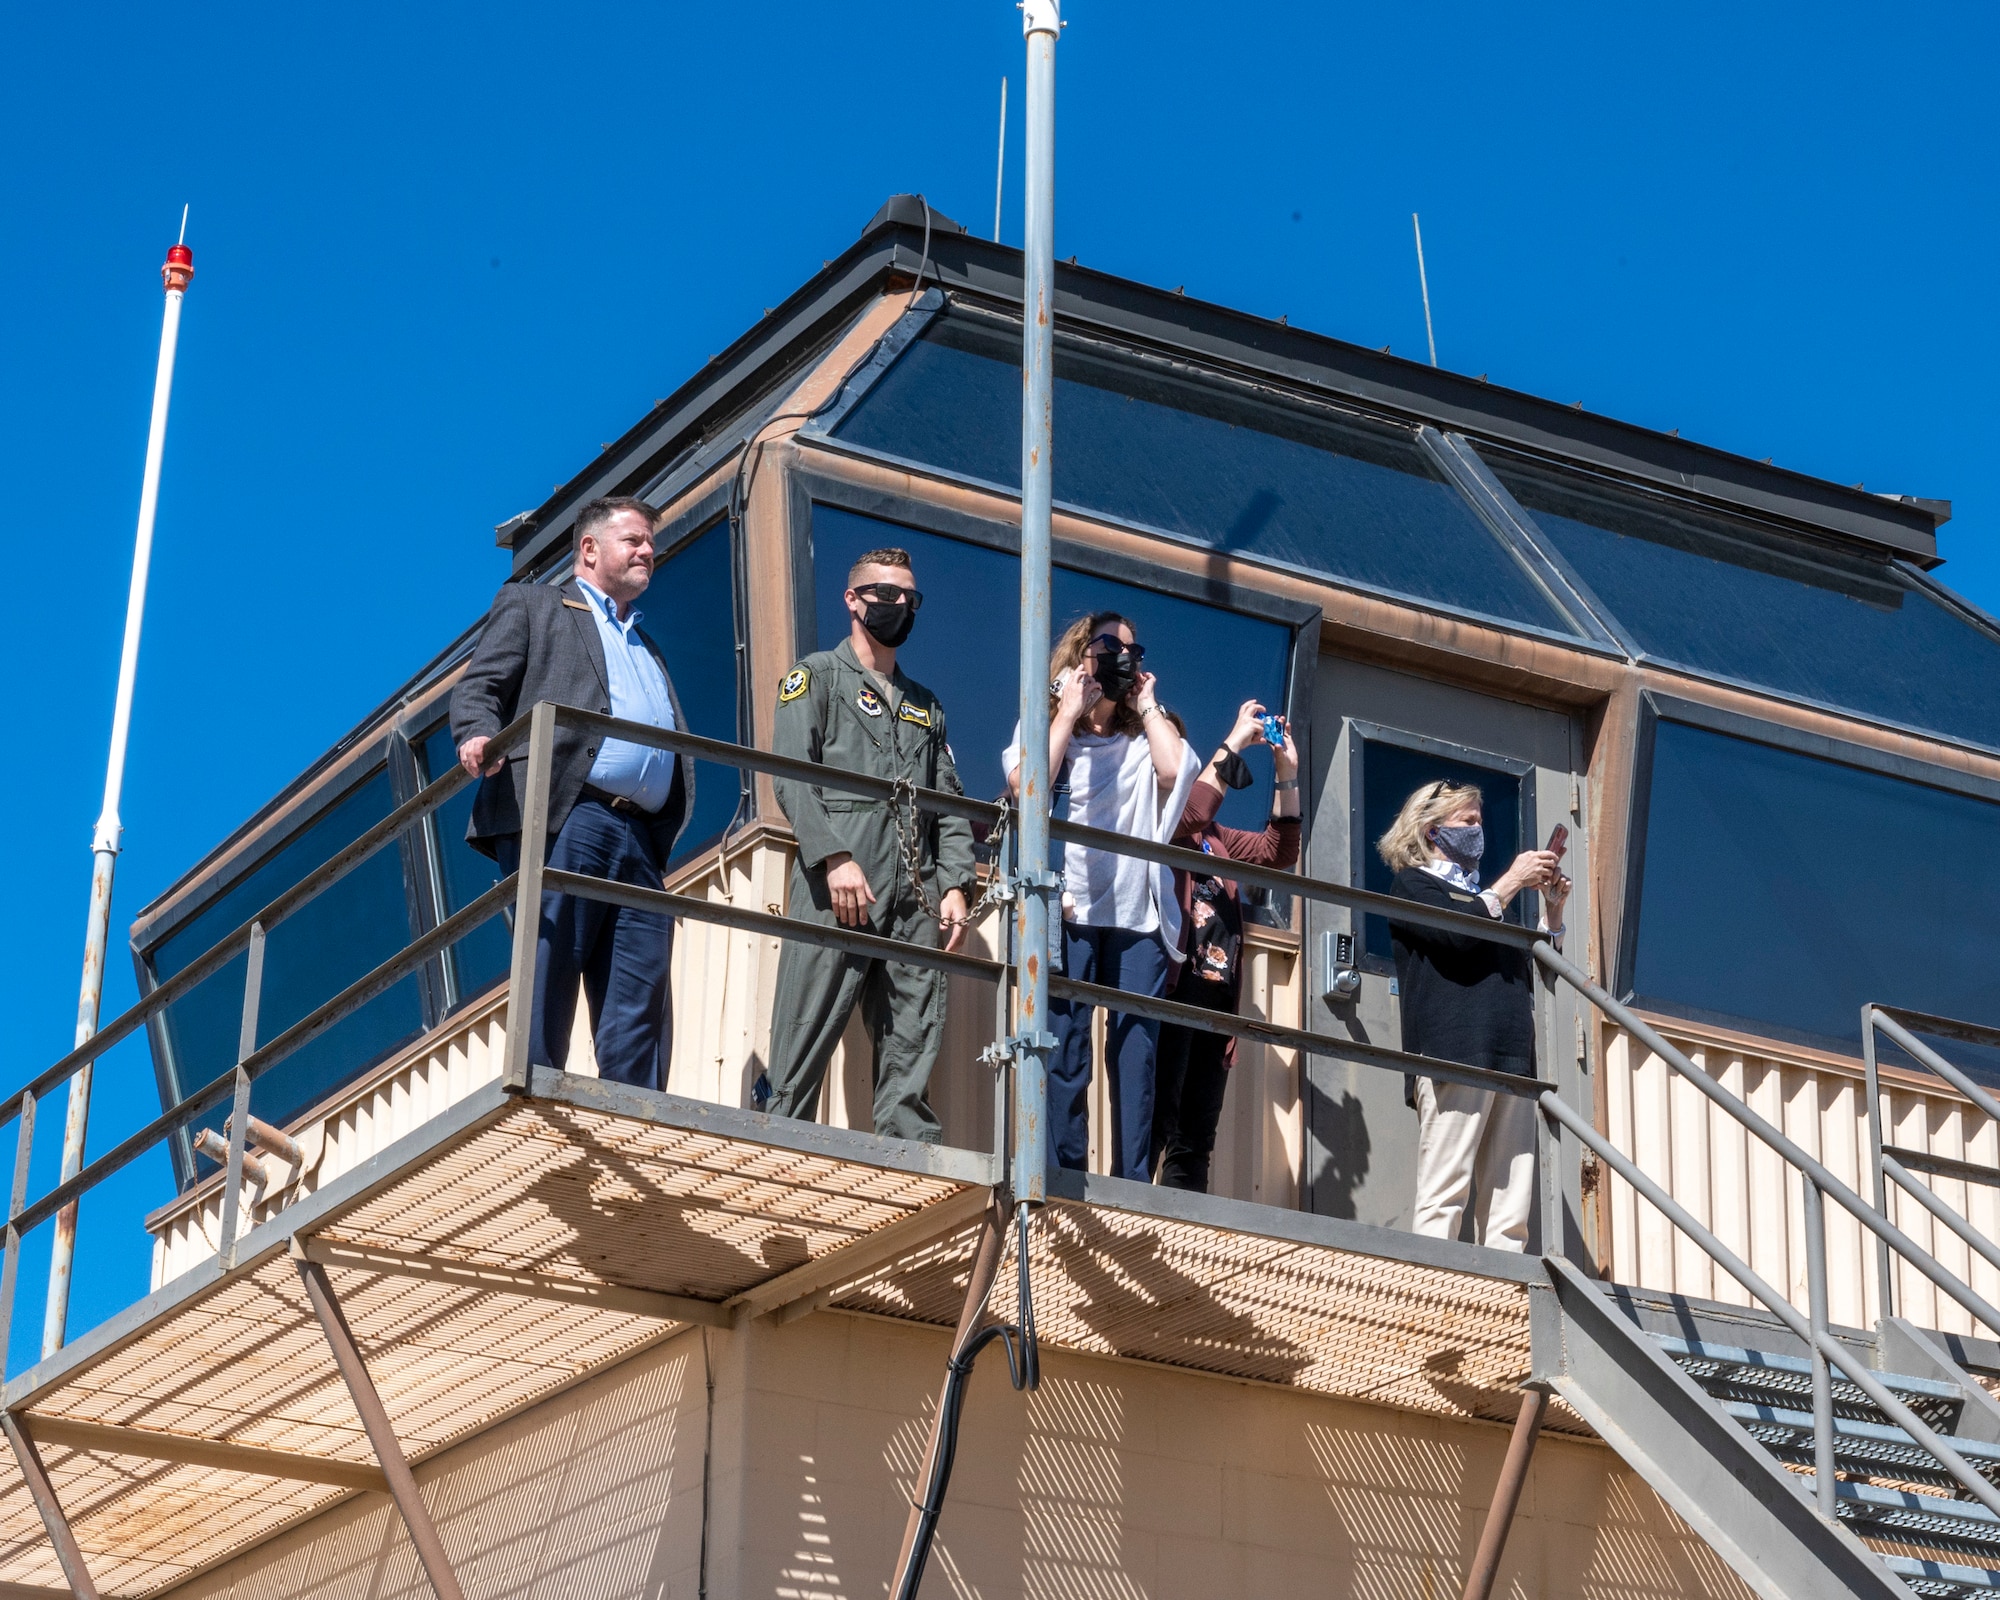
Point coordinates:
pixel 178 271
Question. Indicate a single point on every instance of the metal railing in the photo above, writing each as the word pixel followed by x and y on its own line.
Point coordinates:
pixel 523 890
pixel 1893 1163
pixel 1817 1185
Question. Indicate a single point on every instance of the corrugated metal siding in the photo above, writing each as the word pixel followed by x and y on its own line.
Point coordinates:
pixel 1744 1192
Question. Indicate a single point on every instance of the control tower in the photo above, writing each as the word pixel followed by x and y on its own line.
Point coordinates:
pixel 425 1318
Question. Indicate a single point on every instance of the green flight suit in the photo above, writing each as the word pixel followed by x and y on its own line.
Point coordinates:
pixel 830 710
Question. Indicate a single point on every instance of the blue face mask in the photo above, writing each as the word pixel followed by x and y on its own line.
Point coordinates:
pixel 1463 847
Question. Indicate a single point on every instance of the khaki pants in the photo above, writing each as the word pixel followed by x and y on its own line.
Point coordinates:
pixel 1474 1142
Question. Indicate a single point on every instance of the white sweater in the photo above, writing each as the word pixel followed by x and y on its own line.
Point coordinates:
pixel 1112 786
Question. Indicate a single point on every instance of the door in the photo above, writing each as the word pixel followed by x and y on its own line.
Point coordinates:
pixel 1377 734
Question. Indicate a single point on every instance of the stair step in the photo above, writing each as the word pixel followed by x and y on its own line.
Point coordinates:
pixel 1943 1580
pixel 1765 1378
pixel 1869 1448
pixel 1963 1524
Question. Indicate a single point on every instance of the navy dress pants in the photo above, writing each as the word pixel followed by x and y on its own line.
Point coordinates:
pixel 1136 963
pixel 620 955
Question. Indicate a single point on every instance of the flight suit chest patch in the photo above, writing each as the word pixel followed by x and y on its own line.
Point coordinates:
pixel 869 701
pixel 797 681
pixel 920 715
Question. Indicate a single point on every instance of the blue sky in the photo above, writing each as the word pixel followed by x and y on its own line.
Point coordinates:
pixel 445 251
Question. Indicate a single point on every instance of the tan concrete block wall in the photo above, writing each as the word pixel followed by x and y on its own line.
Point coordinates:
pixel 1115 1481
pixel 1120 1482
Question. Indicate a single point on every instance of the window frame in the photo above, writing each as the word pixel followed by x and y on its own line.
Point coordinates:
pixel 1655 707
pixel 807 488
pixel 336 783
pixel 1899 570
pixel 820 432
pixel 1361 733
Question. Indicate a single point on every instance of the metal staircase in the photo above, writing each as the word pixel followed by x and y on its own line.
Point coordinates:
pixel 1814 1463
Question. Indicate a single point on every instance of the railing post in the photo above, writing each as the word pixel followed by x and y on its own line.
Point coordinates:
pixel 528 900
pixel 1822 1379
pixel 239 1117
pixel 10 1264
pixel 1885 1266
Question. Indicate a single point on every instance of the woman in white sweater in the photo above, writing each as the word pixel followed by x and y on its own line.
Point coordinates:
pixel 1121 766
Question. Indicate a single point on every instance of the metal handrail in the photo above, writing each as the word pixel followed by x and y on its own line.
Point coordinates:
pixel 1864 1213
pixel 254 1059
pixel 1811 1330
pixel 1887 1168
pixel 527 884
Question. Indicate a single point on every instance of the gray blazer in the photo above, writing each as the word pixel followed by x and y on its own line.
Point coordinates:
pixel 540 643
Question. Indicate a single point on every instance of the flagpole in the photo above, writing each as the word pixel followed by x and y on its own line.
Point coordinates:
pixel 174 278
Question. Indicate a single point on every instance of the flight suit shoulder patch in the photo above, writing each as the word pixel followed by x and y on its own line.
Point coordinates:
pixel 911 712
pixel 796 682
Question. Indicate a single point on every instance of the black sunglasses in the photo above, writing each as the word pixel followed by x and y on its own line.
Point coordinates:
pixel 1113 645
pixel 890 594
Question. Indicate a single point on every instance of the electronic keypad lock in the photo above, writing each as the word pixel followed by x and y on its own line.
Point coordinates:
pixel 1343 977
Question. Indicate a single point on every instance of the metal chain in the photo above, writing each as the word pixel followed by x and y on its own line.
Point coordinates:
pixel 909 840
pixel 909 831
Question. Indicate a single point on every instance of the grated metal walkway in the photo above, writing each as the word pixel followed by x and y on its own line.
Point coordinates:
pixel 515 1245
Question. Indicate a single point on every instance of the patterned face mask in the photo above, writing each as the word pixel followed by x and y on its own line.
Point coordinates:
pixel 1463 847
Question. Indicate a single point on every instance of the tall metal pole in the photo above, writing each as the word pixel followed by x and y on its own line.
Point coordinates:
pixel 175 276
pixel 1041 22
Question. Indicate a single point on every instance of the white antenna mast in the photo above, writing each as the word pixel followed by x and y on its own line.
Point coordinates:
pixel 1000 168
pixel 1424 282
pixel 174 278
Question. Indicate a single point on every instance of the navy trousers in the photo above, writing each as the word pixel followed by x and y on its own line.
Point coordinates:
pixel 1136 963
pixel 620 955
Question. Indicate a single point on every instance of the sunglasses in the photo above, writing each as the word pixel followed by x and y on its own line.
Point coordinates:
pixel 1110 644
pixel 891 594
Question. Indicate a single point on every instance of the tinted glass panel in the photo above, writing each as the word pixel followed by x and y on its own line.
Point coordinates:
pixel 481 957
pixel 690 613
pixel 1725 598
pixel 1782 892
pixel 1390 774
pixel 965 646
pixel 1338 496
pixel 311 956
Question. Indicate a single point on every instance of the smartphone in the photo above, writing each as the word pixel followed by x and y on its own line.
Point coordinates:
pixel 1558 844
pixel 1274 731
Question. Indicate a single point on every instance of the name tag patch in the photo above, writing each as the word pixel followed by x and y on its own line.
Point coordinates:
pixel 869 701
pixel 920 715
pixel 794 685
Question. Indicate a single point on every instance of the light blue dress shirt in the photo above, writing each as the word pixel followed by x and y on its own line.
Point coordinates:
pixel 640 773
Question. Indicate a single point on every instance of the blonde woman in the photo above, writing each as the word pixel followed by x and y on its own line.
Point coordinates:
pixel 1124 767
pixel 1468 1000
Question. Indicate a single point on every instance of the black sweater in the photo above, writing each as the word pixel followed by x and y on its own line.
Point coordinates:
pixel 1463 999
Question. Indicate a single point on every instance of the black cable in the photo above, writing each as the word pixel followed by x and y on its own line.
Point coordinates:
pixel 1024 1371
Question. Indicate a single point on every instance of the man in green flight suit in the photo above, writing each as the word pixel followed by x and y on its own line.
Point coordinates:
pixel 850 707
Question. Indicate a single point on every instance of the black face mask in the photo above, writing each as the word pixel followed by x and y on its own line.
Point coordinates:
pixel 888 623
pixel 1115 675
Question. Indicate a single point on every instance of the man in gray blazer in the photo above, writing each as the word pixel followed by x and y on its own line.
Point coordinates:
pixel 615 808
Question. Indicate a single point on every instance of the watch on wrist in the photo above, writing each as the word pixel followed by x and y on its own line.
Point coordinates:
pixel 1285 783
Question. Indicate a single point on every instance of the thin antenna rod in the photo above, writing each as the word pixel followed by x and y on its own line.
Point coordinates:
pixel 175 275
pixel 1000 167
pixel 183 239
pixel 1423 280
